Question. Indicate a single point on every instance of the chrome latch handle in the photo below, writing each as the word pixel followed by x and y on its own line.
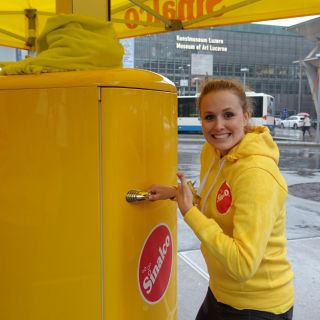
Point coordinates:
pixel 137 195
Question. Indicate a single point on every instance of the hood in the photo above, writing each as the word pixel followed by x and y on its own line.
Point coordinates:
pixel 257 141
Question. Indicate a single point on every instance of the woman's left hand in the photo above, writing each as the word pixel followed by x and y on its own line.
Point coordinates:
pixel 184 195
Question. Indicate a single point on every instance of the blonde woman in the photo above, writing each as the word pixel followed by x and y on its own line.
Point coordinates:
pixel 240 219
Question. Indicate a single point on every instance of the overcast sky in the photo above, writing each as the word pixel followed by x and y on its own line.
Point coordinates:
pixel 288 22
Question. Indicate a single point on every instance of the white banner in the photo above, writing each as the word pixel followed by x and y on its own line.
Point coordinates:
pixel 201 64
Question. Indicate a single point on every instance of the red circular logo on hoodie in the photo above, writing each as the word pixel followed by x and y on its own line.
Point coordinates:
pixel 224 198
pixel 155 264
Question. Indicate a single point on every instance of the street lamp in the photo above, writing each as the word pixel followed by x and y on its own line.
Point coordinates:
pixel 183 81
pixel 197 84
pixel 300 87
pixel 244 70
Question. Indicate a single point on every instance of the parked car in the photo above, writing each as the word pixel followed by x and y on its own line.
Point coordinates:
pixel 294 122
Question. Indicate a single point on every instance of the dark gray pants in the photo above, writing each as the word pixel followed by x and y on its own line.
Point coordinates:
pixel 211 309
pixel 304 129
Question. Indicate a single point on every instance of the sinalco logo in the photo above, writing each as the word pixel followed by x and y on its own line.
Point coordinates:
pixel 224 198
pixel 180 9
pixel 155 264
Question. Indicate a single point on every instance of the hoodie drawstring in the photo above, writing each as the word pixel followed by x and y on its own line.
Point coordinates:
pixel 203 182
pixel 205 178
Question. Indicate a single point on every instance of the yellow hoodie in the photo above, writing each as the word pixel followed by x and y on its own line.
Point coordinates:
pixel 241 223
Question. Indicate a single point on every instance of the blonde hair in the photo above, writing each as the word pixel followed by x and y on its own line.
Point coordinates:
pixel 228 85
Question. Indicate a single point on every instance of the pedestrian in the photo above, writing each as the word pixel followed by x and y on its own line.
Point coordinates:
pixel 306 125
pixel 240 217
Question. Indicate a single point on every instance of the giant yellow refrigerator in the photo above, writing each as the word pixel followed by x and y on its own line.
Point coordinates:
pixel 71 146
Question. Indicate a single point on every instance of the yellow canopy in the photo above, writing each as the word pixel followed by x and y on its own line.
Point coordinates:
pixel 19 25
pixel 22 20
pixel 132 20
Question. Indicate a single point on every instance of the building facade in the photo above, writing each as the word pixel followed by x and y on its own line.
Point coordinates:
pixel 265 57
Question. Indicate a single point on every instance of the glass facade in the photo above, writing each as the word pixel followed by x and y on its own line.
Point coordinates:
pixel 262 56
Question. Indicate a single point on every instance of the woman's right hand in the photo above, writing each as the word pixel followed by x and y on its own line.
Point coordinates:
pixel 161 192
pixel 184 194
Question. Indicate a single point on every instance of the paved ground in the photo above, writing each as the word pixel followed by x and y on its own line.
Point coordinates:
pixel 303 233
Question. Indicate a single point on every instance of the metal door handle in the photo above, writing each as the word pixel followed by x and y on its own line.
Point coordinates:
pixel 136 195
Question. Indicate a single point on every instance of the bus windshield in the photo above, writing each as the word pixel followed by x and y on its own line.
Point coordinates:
pixel 257 106
pixel 260 107
pixel 187 107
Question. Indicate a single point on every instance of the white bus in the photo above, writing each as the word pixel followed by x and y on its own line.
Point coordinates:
pixel 262 113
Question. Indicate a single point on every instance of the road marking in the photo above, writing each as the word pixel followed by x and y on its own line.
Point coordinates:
pixel 304 239
pixel 193 265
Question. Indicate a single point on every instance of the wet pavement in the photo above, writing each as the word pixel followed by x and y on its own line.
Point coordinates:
pixel 294 135
pixel 310 191
pixel 300 165
pixel 296 156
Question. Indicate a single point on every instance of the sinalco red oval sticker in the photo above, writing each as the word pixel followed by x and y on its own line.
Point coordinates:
pixel 224 198
pixel 155 264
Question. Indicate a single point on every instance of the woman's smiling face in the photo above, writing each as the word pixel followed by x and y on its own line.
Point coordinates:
pixel 223 119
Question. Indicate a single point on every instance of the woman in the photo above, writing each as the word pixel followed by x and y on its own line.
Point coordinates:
pixel 306 126
pixel 240 219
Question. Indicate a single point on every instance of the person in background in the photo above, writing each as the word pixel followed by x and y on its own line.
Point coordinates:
pixel 240 215
pixel 306 126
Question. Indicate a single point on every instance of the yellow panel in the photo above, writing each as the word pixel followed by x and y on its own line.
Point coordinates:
pixel 95 8
pixel 49 204
pixel 64 6
pixel 139 147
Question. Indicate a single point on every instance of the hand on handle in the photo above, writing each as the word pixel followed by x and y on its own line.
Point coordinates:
pixel 161 192
pixel 184 194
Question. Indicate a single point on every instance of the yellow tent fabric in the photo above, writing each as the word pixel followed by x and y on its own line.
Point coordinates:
pixel 72 42
pixel 131 20
pixel 14 27
pixel 139 17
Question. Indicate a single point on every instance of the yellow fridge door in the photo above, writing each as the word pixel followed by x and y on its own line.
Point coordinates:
pixel 50 265
pixel 139 147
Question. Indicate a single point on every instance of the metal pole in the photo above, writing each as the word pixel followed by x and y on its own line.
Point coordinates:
pixel 300 87
pixel 244 70
pixel 318 128
pixel 317 104
pixel 31 15
pixel 318 108
pixel 182 81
